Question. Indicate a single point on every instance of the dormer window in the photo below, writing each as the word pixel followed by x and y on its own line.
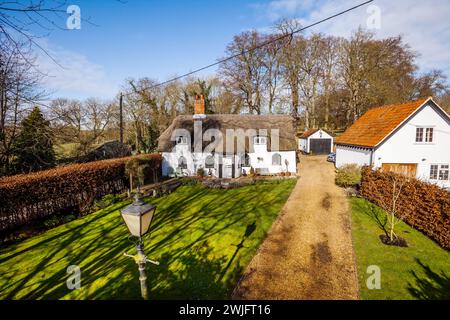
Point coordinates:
pixel 260 140
pixel 181 140
pixel 424 135
pixel 182 163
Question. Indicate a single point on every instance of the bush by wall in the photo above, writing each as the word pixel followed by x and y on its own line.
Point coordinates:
pixel 348 176
pixel 27 197
pixel 424 206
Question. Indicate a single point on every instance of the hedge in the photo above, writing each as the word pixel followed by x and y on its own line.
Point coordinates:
pixel 27 197
pixel 424 206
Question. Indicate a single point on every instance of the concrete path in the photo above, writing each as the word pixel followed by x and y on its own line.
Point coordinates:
pixel 308 253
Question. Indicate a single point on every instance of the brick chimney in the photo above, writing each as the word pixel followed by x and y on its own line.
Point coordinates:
pixel 199 106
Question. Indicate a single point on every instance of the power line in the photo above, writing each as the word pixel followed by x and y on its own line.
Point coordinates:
pixel 256 47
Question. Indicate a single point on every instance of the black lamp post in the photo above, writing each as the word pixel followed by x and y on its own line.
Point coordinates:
pixel 138 217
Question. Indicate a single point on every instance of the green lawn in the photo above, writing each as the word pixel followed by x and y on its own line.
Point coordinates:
pixel 421 271
pixel 203 239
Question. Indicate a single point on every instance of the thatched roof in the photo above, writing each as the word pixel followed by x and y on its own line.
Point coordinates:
pixel 283 123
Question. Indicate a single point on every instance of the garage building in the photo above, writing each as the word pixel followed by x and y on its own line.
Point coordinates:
pixel 316 141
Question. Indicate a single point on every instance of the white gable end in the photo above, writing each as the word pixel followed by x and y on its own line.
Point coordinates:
pixel 401 147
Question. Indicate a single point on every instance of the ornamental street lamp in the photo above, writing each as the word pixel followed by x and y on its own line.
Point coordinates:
pixel 138 217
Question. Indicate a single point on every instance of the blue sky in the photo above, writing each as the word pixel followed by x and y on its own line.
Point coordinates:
pixel 163 38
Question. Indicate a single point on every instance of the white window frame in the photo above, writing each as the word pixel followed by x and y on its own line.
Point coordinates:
pixel 260 140
pixel 182 163
pixel 439 170
pixel 182 140
pixel 425 134
pixel 207 165
pixel 273 158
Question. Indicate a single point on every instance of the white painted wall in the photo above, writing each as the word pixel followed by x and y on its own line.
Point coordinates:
pixel 265 161
pixel 352 155
pixel 261 158
pixel 304 144
pixel 402 148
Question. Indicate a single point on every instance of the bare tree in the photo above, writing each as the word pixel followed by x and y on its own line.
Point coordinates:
pixel 244 75
pixel 19 89
pixel 290 66
pixel 272 66
pixel 27 21
pixel 432 83
pixel 330 49
pixel 310 76
pixel 82 123
pixel 390 204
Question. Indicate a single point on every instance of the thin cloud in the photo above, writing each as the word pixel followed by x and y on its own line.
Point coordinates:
pixel 79 77
pixel 423 24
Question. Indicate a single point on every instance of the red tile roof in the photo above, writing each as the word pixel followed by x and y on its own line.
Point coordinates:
pixel 310 132
pixel 377 123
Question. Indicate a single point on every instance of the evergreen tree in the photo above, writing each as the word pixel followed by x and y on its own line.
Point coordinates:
pixel 33 148
pixel 153 135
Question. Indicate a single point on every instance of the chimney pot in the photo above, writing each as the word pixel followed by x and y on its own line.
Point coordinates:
pixel 199 104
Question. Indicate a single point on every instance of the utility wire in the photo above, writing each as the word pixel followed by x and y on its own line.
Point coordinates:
pixel 255 48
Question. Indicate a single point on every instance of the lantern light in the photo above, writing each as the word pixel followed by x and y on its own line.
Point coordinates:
pixel 138 216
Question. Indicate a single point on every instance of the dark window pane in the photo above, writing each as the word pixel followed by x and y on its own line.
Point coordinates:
pixel 276 160
pixel 434 172
pixel 444 173
pixel 429 135
pixel 182 163
pixel 419 134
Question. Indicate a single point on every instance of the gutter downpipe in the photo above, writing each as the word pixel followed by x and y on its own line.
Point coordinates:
pixel 372 150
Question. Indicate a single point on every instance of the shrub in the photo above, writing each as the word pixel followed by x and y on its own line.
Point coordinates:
pixel 68 218
pixel 423 206
pixel 106 201
pixel 28 197
pixel 348 176
pixel 52 222
pixel 200 172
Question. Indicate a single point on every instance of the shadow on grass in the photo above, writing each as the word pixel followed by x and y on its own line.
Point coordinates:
pixel 189 227
pixel 433 286
pixel 375 213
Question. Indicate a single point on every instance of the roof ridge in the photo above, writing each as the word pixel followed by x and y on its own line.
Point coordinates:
pixel 378 123
pixel 402 103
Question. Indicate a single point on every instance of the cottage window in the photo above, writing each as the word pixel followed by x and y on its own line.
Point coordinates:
pixel 260 140
pixel 182 163
pixel 209 162
pixel 424 135
pixel 182 140
pixel 245 160
pixel 276 159
pixel 439 172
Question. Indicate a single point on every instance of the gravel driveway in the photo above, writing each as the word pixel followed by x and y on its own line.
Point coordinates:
pixel 308 253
